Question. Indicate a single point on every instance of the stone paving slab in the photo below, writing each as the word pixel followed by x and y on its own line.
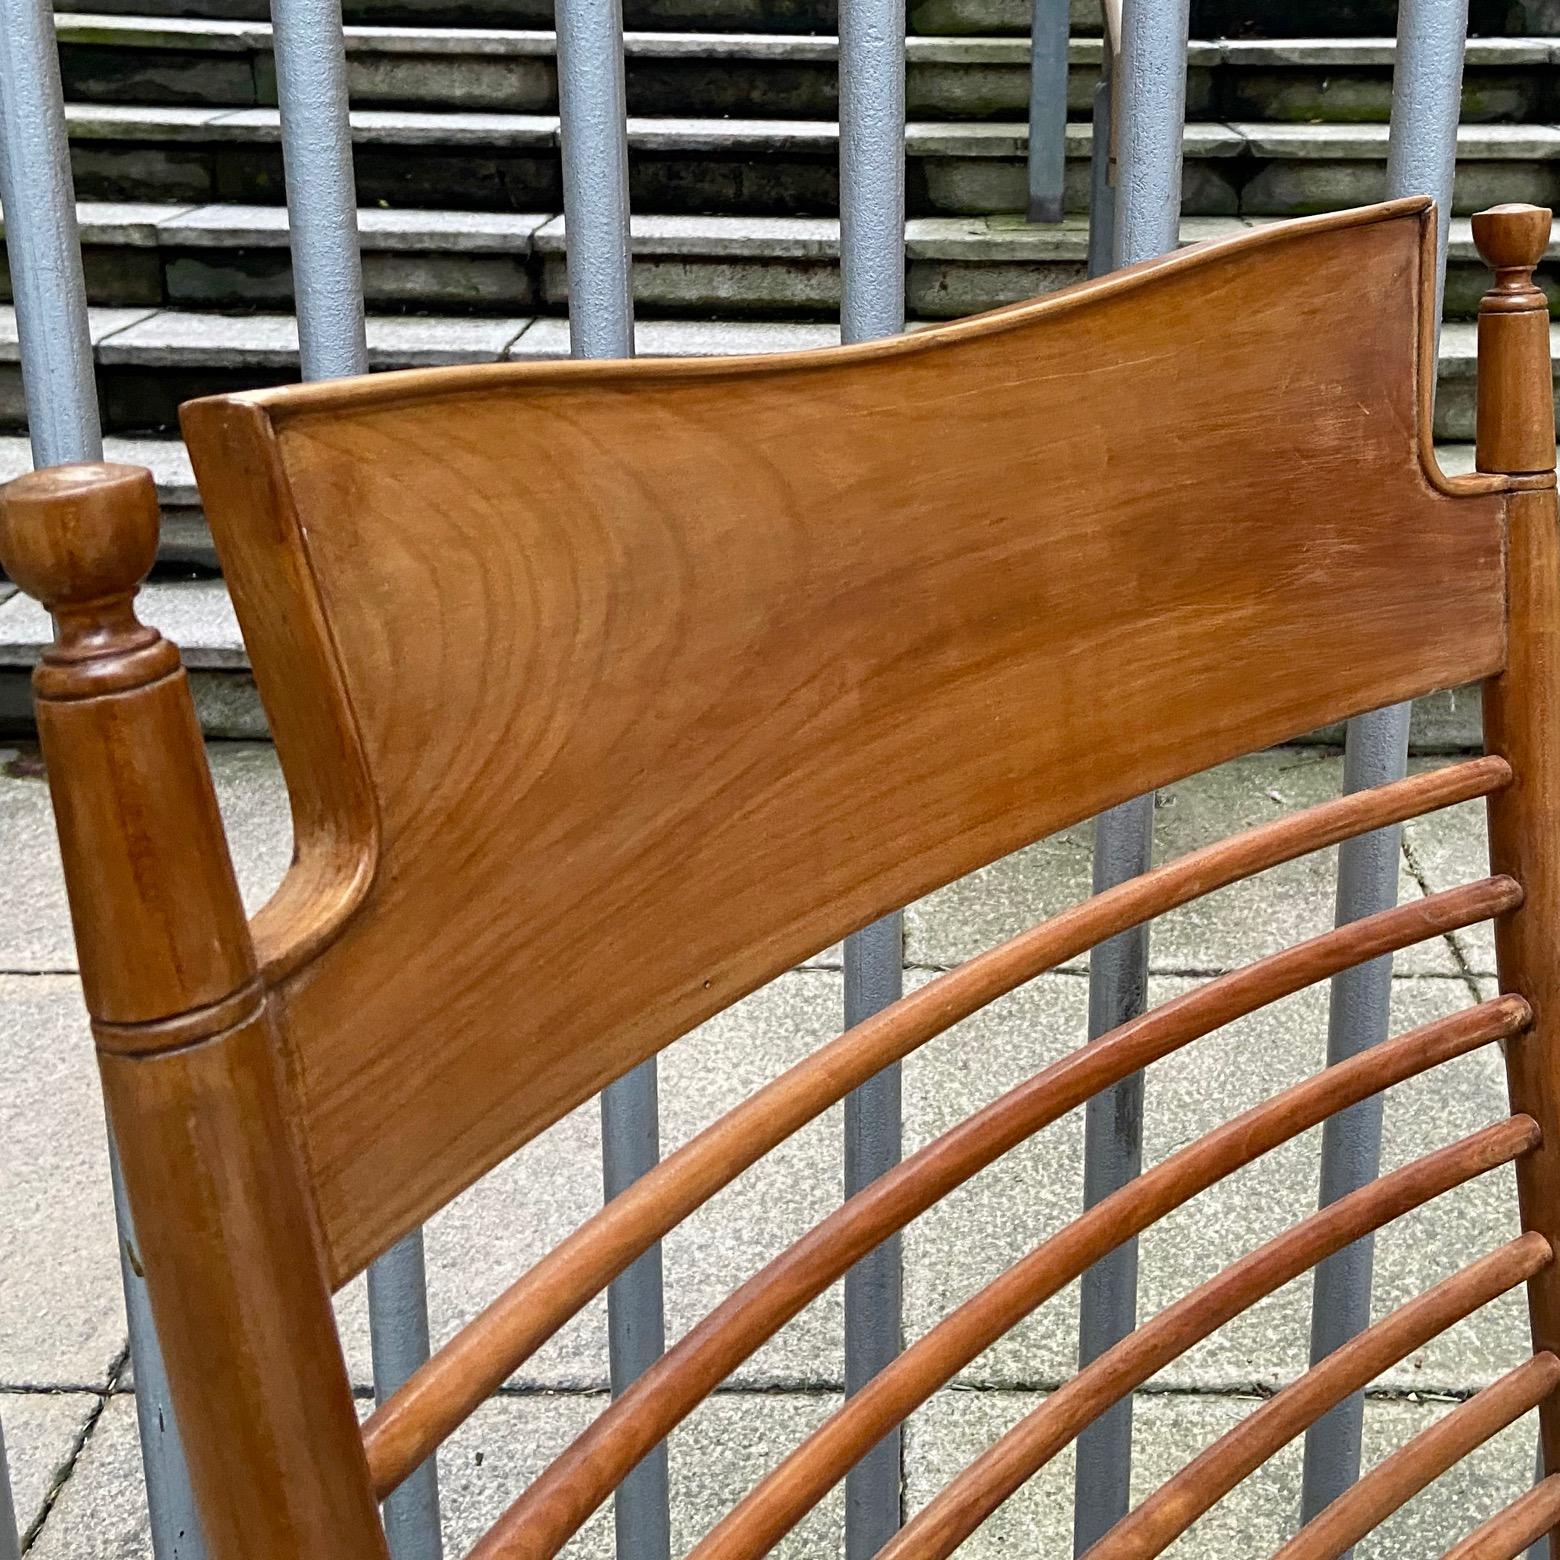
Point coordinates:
pixel 42 1430
pixel 61 1313
pixel 487 1237
pixel 1282 906
pixel 1451 849
pixel 733 1440
pixel 222 36
pixel 196 615
pixel 996 1219
pixel 34 919
pixel 1253 1520
pixel 725 1447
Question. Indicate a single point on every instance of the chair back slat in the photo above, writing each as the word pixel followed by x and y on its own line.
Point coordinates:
pixel 762 650
pixel 757 1522
pixel 1422 1459
pixel 1158 1521
pixel 560 657
pixel 963 1504
pixel 564 1496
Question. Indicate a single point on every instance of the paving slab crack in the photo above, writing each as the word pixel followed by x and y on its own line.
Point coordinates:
pixel 62 1476
pixel 1465 971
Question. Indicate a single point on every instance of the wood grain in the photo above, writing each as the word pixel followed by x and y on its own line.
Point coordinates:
pixel 561 657
pixel 962 1505
pixel 225 1223
pixel 404 1430
pixel 761 649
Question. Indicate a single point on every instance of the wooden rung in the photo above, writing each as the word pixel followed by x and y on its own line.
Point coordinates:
pixel 1419 1462
pixel 404 1431
pixel 1158 1521
pixel 564 1495
pixel 449 1386
pixel 963 1504
pixel 1509 1532
pixel 759 1521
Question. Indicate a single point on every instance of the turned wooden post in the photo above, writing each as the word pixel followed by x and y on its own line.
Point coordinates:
pixel 1516 436
pixel 189 1057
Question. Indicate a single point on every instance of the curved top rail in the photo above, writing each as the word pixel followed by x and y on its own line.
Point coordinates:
pixel 559 655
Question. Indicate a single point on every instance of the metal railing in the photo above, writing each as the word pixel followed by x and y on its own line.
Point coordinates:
pixel 1137 128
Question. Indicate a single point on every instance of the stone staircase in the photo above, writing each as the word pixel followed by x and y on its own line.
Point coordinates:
pixel 175 145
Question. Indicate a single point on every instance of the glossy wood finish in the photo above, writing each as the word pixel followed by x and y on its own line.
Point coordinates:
pixel 561 1498
pixel 1419 1462
pixel 1508 1534
pixel 1522 723
pixel 962 1505
pixel 474 1363
pixel 189 1058
pixel 782 625
pixel 1150 1527
pixel 758 1521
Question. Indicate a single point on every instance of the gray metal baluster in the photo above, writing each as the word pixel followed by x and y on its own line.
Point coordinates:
pixel 1426 101
pixel 872 304
pixel 1151 102
pixel 1102 177
pixel 636 1326
pixel 593 111
pixel 62 418
pixel 10 1539
pixel 311 85
pixel 1047 109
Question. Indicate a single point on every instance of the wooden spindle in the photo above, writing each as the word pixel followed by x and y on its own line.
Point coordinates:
pixel 187 1051
pixel 1516 436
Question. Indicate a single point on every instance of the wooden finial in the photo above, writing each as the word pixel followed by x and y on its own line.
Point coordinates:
pixel 1512 239
pixel 80 539
pixel 1516 420
pixel 163 942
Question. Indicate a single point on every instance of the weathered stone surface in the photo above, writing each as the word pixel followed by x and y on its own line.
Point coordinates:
pixel 549 338
pixel 1170 1429
pixel 493 1232
pixel 1241 923
pixel 985 1227
pixel 41 1432
pixel 61 1310
pixel 196 614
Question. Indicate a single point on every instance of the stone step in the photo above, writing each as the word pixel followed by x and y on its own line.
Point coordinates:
pixel 197 615
pixel 132 59
pixel 452 262
pixel 151 360
pixel 509 162
pixel 1209 18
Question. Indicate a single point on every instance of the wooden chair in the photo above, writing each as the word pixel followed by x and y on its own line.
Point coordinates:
pixel 561 658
